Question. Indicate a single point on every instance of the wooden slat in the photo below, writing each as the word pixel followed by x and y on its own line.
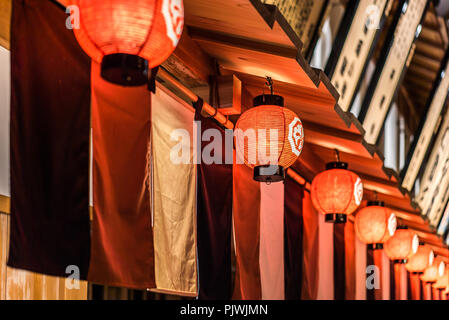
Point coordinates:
pixel 5 18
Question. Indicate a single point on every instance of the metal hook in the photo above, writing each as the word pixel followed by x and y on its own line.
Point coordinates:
pixel 269 84
pixel 337 155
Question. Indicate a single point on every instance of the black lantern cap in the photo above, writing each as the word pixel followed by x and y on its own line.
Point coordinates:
pixel 335 218
pixel 401 227
pixel 269 173
pixel 337 165
pixel 376 203
pixel 125 69
pixel 400 261
pixel 268 99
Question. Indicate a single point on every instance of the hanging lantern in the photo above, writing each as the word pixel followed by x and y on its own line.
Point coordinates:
pixel 402 245
pixel 128 37
pixel 269 138
pixel 336 192
pixel 442 282
pixel 435 271
pixel 375 224
pixel 421 260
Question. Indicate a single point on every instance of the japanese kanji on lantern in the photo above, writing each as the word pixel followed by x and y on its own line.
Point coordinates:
pixel 129 37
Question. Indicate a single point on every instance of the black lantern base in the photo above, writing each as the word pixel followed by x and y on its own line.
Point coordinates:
pixel 335 218
pixel 400 261
pixel 125 69
pixel 375 246
pixel 269 173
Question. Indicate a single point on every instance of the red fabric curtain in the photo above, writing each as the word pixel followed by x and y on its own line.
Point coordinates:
pixel 50 118
pixel 310 249
pixel 122 236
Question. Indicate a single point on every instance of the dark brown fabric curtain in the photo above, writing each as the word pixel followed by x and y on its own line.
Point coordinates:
pixel 370 293
pixel 122 234
pixel 310 249
pixel 50 124
pixel 293 244
pixel 339 262
pixel 214 221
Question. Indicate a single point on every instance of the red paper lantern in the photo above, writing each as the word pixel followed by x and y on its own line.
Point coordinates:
pixel 269 138
pixel 129 36
pixel 421 260
pixel 402 245
pixel 443 281
pixel 435 271
pixel 375 224
pixel 336 192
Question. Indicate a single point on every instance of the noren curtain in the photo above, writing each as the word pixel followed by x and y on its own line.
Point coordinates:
pixel 50 117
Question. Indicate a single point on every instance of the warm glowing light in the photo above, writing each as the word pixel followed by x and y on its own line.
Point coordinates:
pixel 443 281
pixel 421 260
pixel 375 224
pixel 337 191
pixel 435 271
pixel 269 137
pixel 402 245
pixel 149 29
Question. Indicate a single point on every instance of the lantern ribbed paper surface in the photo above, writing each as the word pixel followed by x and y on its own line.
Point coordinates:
pixel 269 135
pixel 422 259
pixel 375 224
pixel 402 245
pixel 436 270
pixel 147 28
pixel 336 191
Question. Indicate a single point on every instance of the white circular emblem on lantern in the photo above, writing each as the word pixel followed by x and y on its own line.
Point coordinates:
pixel 415 244
pixel 392 224
pixel 358 191
pixel 173 12
pixel 296 136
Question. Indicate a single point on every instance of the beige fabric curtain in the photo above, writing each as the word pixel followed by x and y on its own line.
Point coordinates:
pixel 174 216
pixel 23 285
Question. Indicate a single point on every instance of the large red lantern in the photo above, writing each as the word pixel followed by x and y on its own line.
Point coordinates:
pixel 375 224
pixel 269 138
pixel 336 192
pixel 421 260
pixel 402 245
pixel 128 37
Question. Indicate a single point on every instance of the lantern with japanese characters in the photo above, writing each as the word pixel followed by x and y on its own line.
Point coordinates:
pixel 375 224
pixel 128 37
pixel 269 138
pixel 421 260
pixel 402 245
pixel 434 271
pixel 336 192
